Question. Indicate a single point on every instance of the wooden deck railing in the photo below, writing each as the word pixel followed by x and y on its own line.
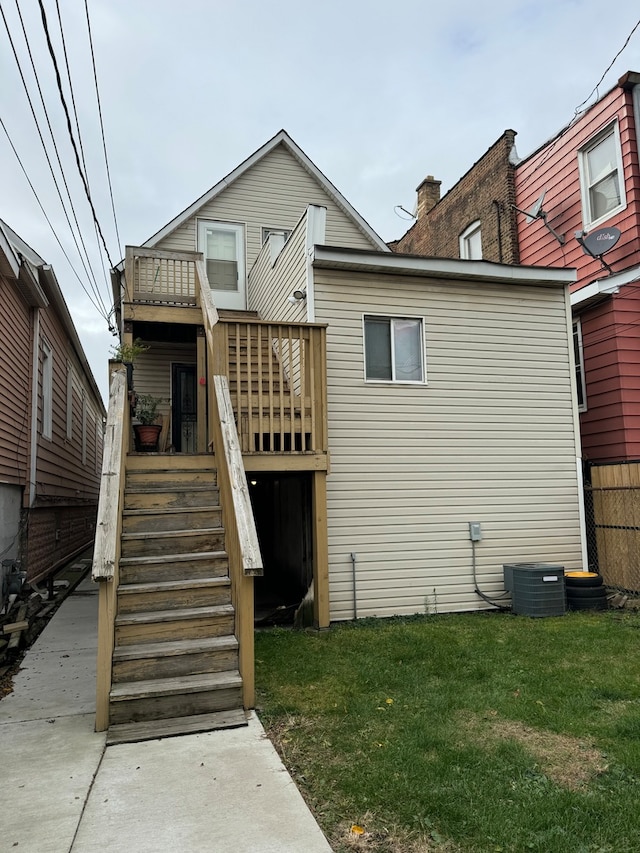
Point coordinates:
pixel 277 383
pixel 157 276
pixel 106 553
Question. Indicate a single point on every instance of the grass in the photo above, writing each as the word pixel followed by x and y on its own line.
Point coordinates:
pixel 469 733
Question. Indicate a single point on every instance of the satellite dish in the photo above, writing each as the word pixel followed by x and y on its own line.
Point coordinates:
pixel 534 211
pixel 600 241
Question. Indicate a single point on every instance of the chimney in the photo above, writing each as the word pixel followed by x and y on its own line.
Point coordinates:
pixel 428 195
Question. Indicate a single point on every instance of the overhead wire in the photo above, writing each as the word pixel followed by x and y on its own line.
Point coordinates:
pixel 100 310
pixel 63 100
pixel 90 271
pixel 49 223
pixel 77 121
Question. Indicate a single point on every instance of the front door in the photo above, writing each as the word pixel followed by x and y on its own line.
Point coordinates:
pixel 222 244
pixel 184 426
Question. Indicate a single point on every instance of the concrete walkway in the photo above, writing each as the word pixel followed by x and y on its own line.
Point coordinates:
pixel 63 791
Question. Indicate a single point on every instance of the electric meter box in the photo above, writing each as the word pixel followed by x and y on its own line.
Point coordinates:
pixel 537 589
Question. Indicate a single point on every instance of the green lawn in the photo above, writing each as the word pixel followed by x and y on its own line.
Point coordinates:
pixel 476 732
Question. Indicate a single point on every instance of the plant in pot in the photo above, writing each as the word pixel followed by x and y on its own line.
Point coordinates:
pixel 127 354
pixel 147 431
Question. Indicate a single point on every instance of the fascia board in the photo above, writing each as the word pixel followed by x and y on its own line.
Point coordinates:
pixel 603 287
pixel 393 263
pixel 280 137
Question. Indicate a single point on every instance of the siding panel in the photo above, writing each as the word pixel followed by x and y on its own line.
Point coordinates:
pixel 490 438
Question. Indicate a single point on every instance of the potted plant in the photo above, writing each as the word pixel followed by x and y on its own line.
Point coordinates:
pixel 127 354
pixel 147 431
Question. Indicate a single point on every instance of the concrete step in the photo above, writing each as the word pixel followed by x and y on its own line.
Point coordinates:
pixel 166 595
pixel 187 623
pixel 172 542
pixel 168 698
pixel 146 661
pixel 158 568
pixel 171 518
pixel 135 732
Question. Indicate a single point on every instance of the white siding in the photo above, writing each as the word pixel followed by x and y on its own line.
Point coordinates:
pixel 490 438
pixel 271 285
pixel 152 372
pixel 274 193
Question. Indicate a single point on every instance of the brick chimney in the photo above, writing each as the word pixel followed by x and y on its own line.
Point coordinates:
pixel 428 195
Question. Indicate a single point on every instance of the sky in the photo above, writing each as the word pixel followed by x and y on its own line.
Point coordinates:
pixel 377 94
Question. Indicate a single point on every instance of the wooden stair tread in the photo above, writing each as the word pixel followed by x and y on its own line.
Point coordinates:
pixel 170 648
pixel 154 488
pixel 172 510
pixel 173 558
pixel 172 586
pixel 170 534
pixel 174 615
pixel 134 732
pixel 185 684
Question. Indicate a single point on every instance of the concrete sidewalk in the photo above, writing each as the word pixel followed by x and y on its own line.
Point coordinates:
pixel 63 791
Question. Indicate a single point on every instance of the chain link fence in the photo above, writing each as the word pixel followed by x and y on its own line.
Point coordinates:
pixel 612 510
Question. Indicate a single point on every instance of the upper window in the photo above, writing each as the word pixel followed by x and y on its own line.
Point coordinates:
pixel 394 349
pixel 471 242
pixel 47 391
pixel 266 232
pixel 223 246
pixel 578 362
pixel 601 181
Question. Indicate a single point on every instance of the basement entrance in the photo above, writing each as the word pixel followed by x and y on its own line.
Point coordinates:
pixel 282 511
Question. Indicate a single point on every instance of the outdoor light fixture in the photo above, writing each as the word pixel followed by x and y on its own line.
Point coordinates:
pixel 298 296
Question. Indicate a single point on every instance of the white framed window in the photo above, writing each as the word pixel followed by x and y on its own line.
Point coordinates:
pixel 47 391
pixel 393 349
pixel 471 242
pixel 223 246
pixel 578 363
pixel 283 232
pixel 69 402
pixel 601 176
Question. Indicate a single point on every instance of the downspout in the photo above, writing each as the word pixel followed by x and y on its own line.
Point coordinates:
pixel 34 407
pixel 353 573
pixel 499 223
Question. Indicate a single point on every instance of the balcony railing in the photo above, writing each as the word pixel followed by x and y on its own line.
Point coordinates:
pixel 161 277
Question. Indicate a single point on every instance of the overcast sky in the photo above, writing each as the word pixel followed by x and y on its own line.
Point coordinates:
pixel 377 94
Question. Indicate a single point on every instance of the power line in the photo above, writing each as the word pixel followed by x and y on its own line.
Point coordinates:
pixel 104 143
pixel 75 113
pixel 46 153
pixel 44 213
pixel 55 147
pixel 70 129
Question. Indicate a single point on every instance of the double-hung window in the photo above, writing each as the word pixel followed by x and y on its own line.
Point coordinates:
pixel 471 242
pixel 223 247
pixel 601 176
pixel 47 391
pixel 394 349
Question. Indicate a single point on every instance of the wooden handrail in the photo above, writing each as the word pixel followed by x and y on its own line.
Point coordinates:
pixel 111 483
pixel 106 555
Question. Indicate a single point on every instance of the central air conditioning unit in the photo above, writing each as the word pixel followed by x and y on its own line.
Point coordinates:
pixel 537 589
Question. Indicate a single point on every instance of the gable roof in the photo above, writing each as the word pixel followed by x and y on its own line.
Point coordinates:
pixel 281 138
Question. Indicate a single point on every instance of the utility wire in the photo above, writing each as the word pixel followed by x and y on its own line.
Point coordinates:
pixel 608 68
pixel 44 213
pixel 75 113
pixel 104 143
pixel 45 26
pixel 89 271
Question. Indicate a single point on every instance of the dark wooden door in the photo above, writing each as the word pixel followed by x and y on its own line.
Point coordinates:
pixel 184 408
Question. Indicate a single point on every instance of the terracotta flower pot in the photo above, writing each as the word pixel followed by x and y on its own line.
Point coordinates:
pixel 147 436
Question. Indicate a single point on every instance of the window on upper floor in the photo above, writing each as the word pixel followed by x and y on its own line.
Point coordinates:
pixel 601 176
pixel 394 349
pixel 47 391
pixel 223 246
pixel 471 242
pixel 69 413
pixel 578 362
pixel 266 232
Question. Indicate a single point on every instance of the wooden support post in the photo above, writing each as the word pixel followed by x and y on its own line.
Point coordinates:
pixel 106 621
pixel 201 390
pixel 320 551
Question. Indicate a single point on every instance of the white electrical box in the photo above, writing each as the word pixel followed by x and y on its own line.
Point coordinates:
pixel 475 531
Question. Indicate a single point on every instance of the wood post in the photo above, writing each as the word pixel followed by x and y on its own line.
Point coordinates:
pixel 320 550
pixel 201 390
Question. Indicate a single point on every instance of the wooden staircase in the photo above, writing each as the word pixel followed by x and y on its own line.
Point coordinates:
pixel 175 661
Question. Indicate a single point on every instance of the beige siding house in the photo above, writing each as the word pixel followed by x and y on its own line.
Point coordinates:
pixel 334 417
